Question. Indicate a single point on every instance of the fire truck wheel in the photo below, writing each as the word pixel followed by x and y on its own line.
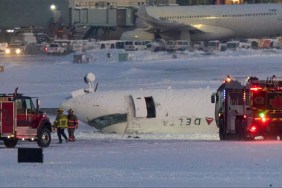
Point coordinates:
pixel 222 130
pixel 240 125
pixel 44 138
pixel 10 143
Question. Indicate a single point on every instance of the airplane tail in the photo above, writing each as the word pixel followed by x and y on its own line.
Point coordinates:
pixel 142 17
pixel 142 12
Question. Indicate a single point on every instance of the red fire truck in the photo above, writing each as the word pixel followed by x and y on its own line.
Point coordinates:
pixel 248 109
pixel 21 120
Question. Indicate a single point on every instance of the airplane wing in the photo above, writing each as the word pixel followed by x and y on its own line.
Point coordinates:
pixel 162 24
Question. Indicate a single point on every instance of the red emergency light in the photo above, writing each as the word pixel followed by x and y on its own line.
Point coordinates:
pixel 255 88
pixel 253 128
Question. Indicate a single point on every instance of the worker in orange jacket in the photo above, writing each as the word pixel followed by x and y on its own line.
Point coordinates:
pixel 72 124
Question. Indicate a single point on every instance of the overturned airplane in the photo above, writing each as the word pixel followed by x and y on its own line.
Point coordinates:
pixel 144 111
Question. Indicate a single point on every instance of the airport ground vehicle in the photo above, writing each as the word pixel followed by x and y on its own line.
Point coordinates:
pixel 277 42
pixel 235 45
pixel 21 120
pixel 216 45
pixel 55 48
pixel 15 49
pixel 157 45
pixel 251 109
pixel 177 45
pixel 135 45
pixel 3 47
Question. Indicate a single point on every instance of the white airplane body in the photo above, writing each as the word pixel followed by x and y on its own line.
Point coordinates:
pixel 209 22
pixel 140 111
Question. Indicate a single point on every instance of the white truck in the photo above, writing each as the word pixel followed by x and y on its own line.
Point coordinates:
pixel 277 43
pixel 235 45
pixel 215 45
pixel 177 45
pixel 157 45
pixel 55 49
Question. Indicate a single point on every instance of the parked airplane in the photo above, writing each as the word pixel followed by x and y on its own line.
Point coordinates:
pixel 143 111
pixel 208 22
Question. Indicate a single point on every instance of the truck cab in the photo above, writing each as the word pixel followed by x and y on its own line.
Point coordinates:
pixel 248 109
pixel 20 119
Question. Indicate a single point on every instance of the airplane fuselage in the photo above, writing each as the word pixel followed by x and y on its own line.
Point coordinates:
pixel 152 111
pixel 224 21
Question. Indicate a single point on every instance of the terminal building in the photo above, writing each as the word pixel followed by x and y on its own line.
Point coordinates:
pixel 82 19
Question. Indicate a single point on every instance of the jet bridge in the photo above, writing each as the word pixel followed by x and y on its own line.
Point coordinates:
pixel 102 17
pixel 106 18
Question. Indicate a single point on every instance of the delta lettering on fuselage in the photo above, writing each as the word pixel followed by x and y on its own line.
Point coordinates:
pixel 182 121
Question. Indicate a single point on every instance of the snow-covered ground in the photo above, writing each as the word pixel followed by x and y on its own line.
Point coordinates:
pixel 161 160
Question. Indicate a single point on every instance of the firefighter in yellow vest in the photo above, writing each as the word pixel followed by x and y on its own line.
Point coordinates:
pixel 72 125
pixel 61 123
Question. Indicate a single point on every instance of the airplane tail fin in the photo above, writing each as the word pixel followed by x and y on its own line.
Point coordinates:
pixel 142 17
pixel 142 12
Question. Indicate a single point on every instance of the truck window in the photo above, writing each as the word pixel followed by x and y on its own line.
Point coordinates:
pixel 21 106
pixel 236 98
pixel 29 104
pixel 54 45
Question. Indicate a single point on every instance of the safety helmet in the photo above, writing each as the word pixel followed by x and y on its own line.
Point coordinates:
pixel 70 110
pixel 60 110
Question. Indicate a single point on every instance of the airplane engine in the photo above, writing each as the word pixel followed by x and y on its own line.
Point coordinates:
pixel 137 34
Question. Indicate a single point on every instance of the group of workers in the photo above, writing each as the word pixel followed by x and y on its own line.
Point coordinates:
pixel 63 122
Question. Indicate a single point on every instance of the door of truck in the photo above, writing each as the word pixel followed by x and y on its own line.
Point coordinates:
pixel 25 115
pixel 235 107
pixel 7 117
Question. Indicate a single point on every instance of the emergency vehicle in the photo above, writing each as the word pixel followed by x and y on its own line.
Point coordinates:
pixel 248 109
pixel 21 120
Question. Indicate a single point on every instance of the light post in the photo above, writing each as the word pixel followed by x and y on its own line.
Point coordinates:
pixel 56 13
pixel 53 7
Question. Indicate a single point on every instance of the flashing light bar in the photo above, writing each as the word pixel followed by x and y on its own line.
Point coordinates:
pixel 255 88
pixel 262 115
pixel 262 118
pixel 253 128
pixel 228 79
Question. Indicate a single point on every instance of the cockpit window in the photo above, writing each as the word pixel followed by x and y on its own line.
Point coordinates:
pixel 107 120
